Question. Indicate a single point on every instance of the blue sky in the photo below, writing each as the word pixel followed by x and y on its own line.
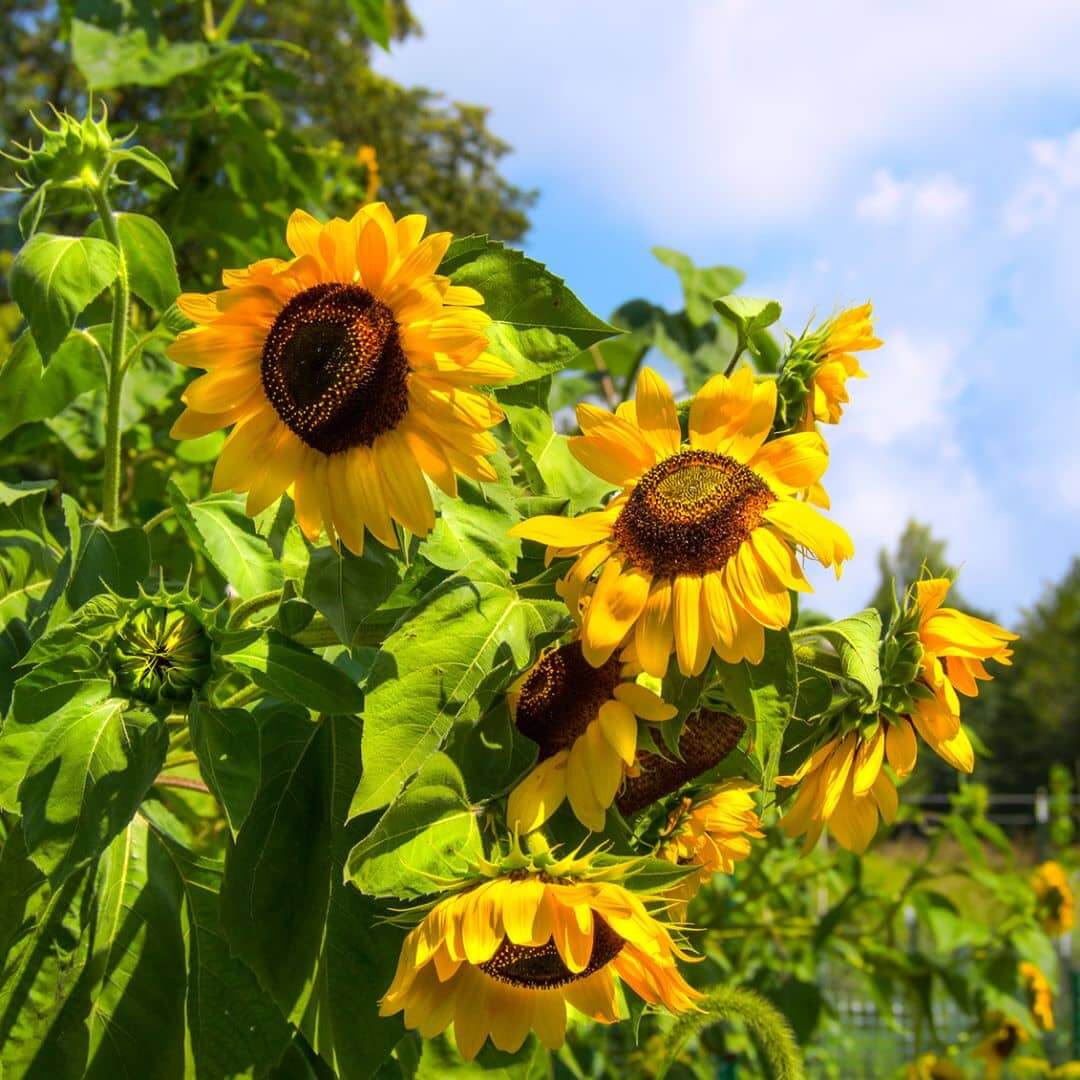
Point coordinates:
pixel 925 155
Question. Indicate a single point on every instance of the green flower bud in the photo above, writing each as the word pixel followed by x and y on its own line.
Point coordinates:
pixel 74 154
pixel 161 654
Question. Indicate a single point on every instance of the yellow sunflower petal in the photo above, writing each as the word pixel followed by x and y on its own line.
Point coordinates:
pixel 619 727
pixel 653 631
pixel 539 795
pixel 656 414
pixel 617 601
pixel 644 702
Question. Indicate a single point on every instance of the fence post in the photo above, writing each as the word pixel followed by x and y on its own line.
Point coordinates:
pixel 1042 822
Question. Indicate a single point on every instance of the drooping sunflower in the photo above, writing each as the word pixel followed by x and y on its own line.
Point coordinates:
pixel 585 721
pixel 954 648
pixel 507 955
pixel 1054 897
pixel 713 833
pixel 348 374
pixel 698 551
pixel 1039 994
pixel 834 346
pixel 843 786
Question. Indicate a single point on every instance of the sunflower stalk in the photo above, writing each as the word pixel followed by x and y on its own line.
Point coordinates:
pixel 121 294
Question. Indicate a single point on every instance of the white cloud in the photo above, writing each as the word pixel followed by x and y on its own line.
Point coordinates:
pixel 938 200
pixel 1055 174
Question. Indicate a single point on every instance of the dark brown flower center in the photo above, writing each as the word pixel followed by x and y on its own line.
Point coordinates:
pixel 540 967
pixel 562 696
pixel 333 367
pixel 689 513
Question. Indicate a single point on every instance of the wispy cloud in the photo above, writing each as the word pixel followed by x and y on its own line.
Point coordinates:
pixel 936 200
pixel 1054 176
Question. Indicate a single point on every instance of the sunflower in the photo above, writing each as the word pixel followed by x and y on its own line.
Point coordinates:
pixel 1040 996
pixel 932 1067
pixel 698 551
pixel 954 648
pixel 1054 897
pixel 585 721
pixel 507 956
pixel 347 373
pixel 712 832
pixel 1005 1035
pixel 833 347
pixel 842 785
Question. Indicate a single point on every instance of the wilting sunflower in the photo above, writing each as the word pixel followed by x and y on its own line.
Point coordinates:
pixel 585 721
pixel 347 373
pixel 507 955
pixel 842 785
pixel 954 647
pixel 1040 996
pixel 712 832
pixel 1054 897
pixel 834 346
pixel 698 551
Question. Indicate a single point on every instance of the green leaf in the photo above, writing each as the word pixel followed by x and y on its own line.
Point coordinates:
pixel 347 588
pixel 857 640
pixel 147 161
pixel 764 694
pixel 29 392
pixel 227 744
pixel 701 284
pixel 53 279
pixel 429 831
pixel 123 44
pixel 290 671
pixel 277 878
pixel 548 464
pixel 440 1059
pixel 749 314
pixel 218 527
pixel 92 765
pixel 539 324
pixel 151 264
pixel 442 665
pixel 374 19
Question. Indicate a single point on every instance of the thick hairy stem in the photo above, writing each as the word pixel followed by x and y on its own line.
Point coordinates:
pixel 767 1027
pixel 257 603
pixel 110 501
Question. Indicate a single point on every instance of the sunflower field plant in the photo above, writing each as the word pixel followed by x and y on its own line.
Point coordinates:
pixel 362 717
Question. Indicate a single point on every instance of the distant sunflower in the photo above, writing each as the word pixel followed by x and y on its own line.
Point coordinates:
pixel 1054 897
pixel 508 955
pixel 698 551
pixel 954 648
pixel 834 347
pixel 712 833
pixel 842 786
pixel 347 373
pixel 585 721
pixel 1040 995
pixel 1004 1035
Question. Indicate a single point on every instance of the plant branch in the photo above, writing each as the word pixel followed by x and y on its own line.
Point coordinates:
pixel 158 518
pixel 607 383
pixel 186 782
pixel 249 607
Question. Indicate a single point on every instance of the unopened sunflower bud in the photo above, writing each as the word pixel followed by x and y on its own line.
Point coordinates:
pixel 161 654
pixel 707 739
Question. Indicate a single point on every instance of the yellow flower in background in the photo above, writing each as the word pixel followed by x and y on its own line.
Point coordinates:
pixel 850 332
pixel 368 160
pixel 347 373
pixel 1006 1034
pixel 585 721
pixel 509 955
pixel 1054 897
pixel 842 785
pixel 713 833
pixel 698 551
pixel 932 1067
pixel 955 647
pixel 1040 996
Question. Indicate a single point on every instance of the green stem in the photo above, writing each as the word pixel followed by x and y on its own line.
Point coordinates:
pixel 158 518
pixel 110 503
pixel 228 20
pixel 740 346
pixel 249 607
pixel 243 697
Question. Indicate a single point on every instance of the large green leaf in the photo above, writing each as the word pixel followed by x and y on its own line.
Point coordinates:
pixel 29 392
pixel 218 527
pixel 53 279
pixel 227 743
pixel 347 588
pixel 374 19
pixel 442 665
pixel 701 284
pixel 764 694
pixel 539 324
pixel 857 640
pixel 291 671
pixel 429 831
pixel 148 254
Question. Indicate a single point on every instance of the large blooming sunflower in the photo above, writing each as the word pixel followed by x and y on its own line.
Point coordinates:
pixel 508 955
pixel 1039 994
pixel 842 785
pixel 1054 897
pixel 954 645
pixel 585 721
pixel 697 552
pixel 712 833
pixel 347 373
